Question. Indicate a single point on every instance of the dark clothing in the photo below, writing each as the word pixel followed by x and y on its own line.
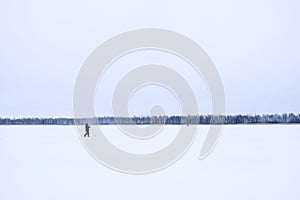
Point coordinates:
pixel 87 130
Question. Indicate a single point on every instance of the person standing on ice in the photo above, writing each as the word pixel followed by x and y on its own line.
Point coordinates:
pixel 87 130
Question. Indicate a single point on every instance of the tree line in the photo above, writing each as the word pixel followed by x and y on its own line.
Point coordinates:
pixel 176 120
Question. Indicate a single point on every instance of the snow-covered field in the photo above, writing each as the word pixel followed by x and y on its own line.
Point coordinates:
pixel 249 162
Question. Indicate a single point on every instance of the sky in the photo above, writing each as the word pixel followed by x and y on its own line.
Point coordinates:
pixel 255 46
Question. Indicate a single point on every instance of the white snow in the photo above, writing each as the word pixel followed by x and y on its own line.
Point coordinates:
pixel 249 162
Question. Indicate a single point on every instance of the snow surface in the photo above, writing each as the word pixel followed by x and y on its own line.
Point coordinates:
pixel 249 162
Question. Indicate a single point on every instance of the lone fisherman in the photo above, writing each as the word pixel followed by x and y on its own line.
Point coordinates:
pixel 87 130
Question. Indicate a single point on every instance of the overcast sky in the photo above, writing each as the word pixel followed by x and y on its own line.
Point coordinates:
pixel 255 46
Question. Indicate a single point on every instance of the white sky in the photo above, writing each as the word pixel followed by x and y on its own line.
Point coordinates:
pixel 254 44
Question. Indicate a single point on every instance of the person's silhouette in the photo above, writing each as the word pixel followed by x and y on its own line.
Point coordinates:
pixel 87 130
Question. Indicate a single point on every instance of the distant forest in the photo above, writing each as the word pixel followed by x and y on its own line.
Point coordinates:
pixel 176 120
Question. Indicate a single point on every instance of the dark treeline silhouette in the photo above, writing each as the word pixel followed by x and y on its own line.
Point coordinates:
pixel 191 119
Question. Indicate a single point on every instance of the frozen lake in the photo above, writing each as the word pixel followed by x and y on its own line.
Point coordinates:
pixel 249 162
